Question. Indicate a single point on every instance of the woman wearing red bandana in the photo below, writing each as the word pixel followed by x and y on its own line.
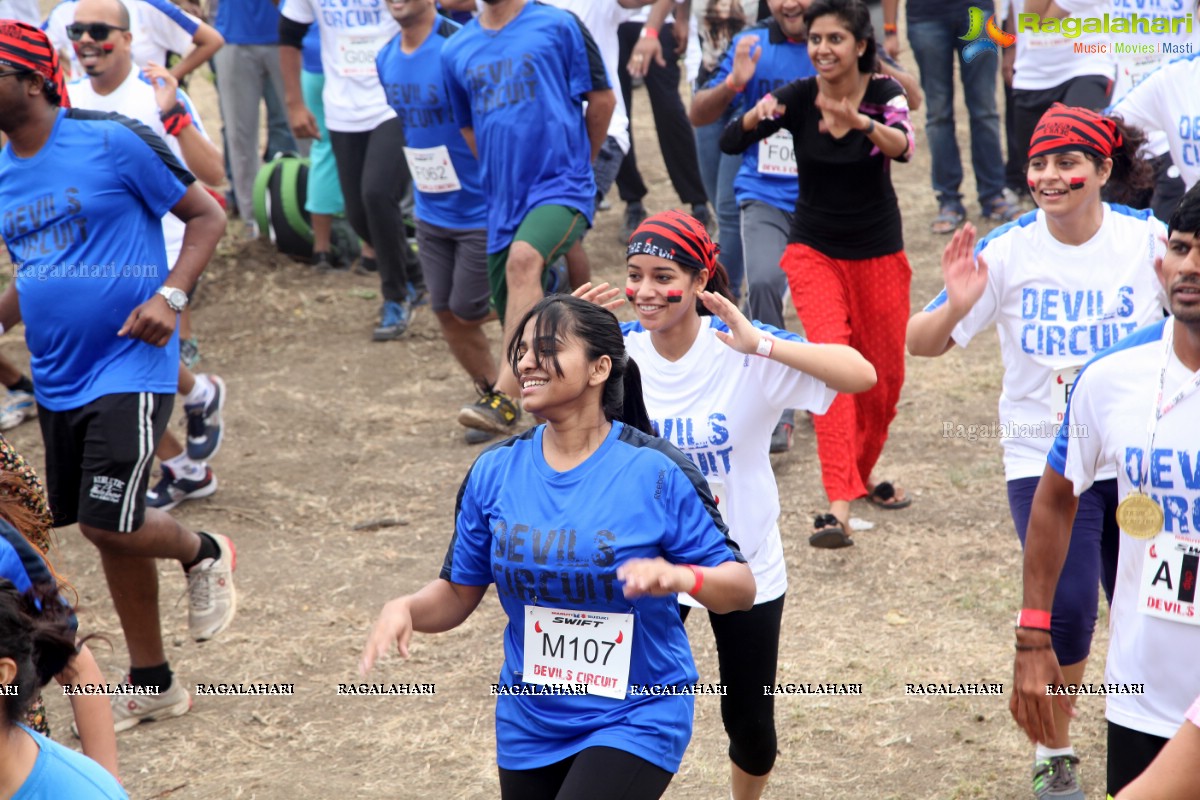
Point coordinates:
pixel 715 384
pixel 845 258
pixel 1061 284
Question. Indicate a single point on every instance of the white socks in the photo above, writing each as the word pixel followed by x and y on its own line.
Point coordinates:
pixel 1044 753
pixel 201 393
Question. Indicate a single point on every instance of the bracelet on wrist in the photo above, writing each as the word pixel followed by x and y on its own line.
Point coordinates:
pixel 733 86
pixel 890 29
pixel 1034 619
pixel 648 33
pixel 1029 648
pixel 870 127
pixel 766 345
pixel 175 119
pixel 696 571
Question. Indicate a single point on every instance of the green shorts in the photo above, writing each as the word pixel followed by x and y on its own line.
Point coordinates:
pixel 551 230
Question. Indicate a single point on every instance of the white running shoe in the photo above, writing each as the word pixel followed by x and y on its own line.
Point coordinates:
pixel 130 710
pixel 212 601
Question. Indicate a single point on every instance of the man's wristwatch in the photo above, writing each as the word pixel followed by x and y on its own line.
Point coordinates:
pixel 177 299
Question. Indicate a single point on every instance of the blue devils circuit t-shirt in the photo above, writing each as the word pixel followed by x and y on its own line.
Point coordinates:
pixel 248 21
pixel 554 540
pixel 60 773
pixel 768 170
pixel 82 220
pixel 444 170
pixel 522 90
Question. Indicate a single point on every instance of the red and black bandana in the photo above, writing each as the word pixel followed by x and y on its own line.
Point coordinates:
pixel 25 47
pixel 1064 128
pixel 676 237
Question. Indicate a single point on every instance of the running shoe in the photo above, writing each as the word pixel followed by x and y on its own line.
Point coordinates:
pixel 189 352
pixel 557 278
pixel 393 322
pixel 212 601
pixel 172 490
pixel 204 425
pixel 1057 778
pixel 325 262
pixel 15 408
pixel 494 412
pixel 635 215
pixel 781 437
pixel 474 436
pixel 130 710
pixel 367 265
pixel 417 295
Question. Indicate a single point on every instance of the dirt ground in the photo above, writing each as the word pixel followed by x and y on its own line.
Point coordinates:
pixel 327 431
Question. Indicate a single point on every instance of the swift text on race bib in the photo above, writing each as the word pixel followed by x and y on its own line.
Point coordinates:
pixel 777 154
pixel 1061 383
pixel 431 169
pixel 1168 584
pixel 574 647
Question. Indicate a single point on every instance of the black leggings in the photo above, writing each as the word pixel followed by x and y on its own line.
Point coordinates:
pixel 1129 753
pixel 374 175
pixel 595 773
pixel 747 653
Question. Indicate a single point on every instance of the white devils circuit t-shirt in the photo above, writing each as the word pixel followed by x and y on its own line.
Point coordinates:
pixel 351 36
pixel 1055 306
pixel 719 407
pixel 1154 622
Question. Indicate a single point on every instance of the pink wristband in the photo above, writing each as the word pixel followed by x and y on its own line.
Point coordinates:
pixel 699 579
pixel 1034 618
pixel 649 33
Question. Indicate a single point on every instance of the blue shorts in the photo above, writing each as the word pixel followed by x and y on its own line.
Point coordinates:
pixel 1091 561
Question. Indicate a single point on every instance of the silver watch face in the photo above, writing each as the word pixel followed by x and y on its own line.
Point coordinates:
pixel 176 298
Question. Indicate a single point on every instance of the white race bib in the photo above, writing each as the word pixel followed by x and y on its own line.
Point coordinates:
pixel 573 647
pixel 354 56
pixel 777 154
pixel 1061 383
pixel 431 169
pixel 1168 583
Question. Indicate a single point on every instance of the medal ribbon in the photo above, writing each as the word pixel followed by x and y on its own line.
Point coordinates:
pixel 1160 409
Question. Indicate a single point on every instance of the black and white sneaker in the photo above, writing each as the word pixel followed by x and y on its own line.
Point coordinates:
pixel 204 423
pixel 170 490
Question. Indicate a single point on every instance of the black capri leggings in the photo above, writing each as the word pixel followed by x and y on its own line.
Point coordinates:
pixel 374 177
pixel 595 773
pixel 747 652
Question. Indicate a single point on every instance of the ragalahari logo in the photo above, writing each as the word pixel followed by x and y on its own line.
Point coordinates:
pixel 995 41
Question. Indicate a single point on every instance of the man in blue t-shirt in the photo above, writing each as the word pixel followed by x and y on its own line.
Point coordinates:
pixel 451 209
pixel 247 68
pixel 517 77
pixel 83 195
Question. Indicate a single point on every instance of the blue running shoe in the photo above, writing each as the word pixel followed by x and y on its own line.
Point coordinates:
pixel 204 423
pixel 393 322
pixel 170 491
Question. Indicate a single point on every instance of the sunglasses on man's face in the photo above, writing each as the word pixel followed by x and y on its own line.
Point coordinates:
pixel 99 31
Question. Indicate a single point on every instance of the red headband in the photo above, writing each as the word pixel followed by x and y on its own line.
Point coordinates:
pixel 676 237
pixel 25 47
pixel 1064 128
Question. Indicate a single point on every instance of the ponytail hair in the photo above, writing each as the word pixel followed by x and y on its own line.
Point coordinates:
pixel 1132 176
pixel 36 633
pixel 718 283
pixel 561 315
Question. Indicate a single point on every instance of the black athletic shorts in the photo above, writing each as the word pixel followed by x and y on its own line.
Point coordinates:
pixel 1129 753
pixel 98 458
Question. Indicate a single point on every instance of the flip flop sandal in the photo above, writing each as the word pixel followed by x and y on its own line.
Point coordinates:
pixel 947 220
pixel 884 493
pixel 828 533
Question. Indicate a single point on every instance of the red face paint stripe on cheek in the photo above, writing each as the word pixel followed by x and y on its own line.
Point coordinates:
pixel 108 47
pixel 674 296
pixel 630 293
pixel 1032 185
pixel 1078 183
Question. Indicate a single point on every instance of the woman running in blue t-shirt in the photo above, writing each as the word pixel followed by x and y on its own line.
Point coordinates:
pixel 591 525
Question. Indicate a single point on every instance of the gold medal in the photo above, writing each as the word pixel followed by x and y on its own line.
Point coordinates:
pixel 1139 516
